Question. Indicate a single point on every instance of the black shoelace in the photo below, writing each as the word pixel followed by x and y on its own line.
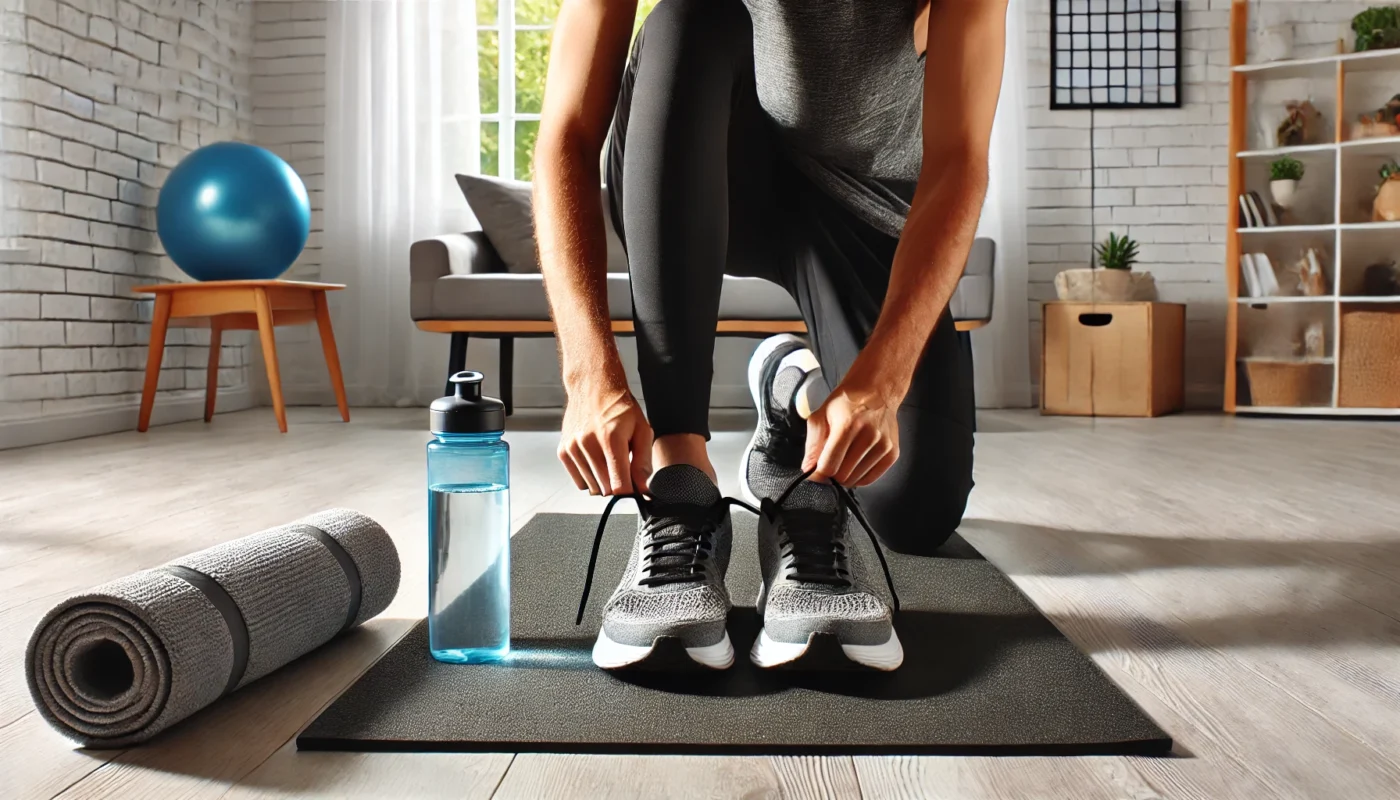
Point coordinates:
pixel 811 539
pixel 674 556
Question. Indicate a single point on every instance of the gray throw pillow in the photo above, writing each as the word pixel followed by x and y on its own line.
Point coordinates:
pixel 503 207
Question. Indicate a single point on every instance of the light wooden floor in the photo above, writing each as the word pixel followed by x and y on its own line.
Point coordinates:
pixel 1239 578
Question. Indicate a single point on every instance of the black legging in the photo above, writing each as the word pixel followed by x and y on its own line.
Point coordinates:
pixel 700 190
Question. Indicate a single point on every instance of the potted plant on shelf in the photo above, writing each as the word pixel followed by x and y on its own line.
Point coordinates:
pixel 1115 282
pixel 1284 175
pixel 1386 206
pixel 1377 28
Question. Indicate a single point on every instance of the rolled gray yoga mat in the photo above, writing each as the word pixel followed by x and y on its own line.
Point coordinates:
pixel 115 665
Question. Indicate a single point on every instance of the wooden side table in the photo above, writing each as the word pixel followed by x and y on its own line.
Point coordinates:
pixel 240 306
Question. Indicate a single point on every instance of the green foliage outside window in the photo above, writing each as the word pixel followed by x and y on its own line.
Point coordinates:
pixel 531 64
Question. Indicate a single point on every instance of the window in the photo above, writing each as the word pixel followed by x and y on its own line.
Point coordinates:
pixel 516 32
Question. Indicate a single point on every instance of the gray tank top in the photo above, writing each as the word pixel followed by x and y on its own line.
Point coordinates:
pixel 843 84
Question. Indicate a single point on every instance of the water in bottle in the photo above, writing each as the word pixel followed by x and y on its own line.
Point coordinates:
pixel 469 526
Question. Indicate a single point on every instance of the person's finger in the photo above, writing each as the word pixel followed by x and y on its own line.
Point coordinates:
pixel 618 462
pixel 581 463
pixel 881 467
pixel 862 443
pixel 597 463
pixel 569 467
pixel 838 441
pixel 642 439
pixel 865 472
pixel 816 440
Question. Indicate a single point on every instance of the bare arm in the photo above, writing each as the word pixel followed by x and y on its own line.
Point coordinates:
pixel 585 67
pixel 962 81
pixel 606 442
pixel 966 43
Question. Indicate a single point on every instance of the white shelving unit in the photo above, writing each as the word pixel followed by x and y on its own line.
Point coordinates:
pixel 1351 243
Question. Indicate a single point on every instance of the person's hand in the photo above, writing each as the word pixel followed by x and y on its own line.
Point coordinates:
pixel 606 442
pixel 853 438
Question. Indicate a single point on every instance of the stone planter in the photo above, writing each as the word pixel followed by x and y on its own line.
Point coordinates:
pixel 1105 286
pixel 1284 193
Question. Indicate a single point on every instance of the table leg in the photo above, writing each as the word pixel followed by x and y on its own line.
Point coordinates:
pixel 211 386
pixel 269 349
pixel 323 321
pixel 160 321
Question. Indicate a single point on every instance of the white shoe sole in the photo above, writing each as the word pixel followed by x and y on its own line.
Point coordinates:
pixel 885 657
pixel 804 358
pixel 608 654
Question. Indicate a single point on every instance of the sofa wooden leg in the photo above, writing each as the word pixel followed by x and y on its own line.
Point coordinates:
pixel 508 373
pixel 456 359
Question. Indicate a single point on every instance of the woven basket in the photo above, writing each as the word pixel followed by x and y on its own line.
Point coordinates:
pixel 1289 384
pixel 1370 361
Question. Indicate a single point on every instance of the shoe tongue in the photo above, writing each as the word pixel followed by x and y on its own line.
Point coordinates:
pixel 682 484
pixel 813 496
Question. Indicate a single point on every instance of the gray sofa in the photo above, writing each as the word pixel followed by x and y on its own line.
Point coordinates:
pixel 460 286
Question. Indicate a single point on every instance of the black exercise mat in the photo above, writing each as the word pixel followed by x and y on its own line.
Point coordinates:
pixel 983 672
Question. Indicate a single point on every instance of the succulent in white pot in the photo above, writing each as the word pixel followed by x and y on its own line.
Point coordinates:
pixel 1284 175
pixel 1115 282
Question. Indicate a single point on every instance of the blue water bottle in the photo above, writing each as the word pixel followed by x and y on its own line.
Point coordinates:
pixel 468 526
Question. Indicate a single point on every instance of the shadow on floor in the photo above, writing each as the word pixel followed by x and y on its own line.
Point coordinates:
pixel 1316 598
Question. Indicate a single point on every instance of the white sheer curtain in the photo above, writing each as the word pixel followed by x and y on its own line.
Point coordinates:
pixel 402 117
pixel 1001 351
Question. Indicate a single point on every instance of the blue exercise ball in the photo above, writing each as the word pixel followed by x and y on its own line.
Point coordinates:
pixel 232 211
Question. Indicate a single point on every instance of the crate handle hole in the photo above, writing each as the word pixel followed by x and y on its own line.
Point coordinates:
pixel 1095 320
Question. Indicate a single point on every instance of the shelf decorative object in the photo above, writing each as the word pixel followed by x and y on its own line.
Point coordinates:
pixel 1381 122
pixel 1326 340
pixel 1377 28
pixel 1302 126
pixel 1381 280
pixel 1284 175
pixel 1386 206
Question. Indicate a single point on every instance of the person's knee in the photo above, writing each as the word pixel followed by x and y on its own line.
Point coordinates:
pixel 919 503
pixel 920 524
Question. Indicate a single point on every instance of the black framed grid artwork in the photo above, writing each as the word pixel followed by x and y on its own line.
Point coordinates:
pixel 1115 54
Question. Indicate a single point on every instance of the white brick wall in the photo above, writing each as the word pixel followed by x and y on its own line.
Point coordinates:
pixel 108 94
pixel 1162 176
pixel 289 101
pixel 100 99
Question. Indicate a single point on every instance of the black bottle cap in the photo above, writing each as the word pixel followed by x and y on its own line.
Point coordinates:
pixel 467 411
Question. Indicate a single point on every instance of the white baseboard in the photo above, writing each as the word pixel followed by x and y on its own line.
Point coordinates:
pixel 182 407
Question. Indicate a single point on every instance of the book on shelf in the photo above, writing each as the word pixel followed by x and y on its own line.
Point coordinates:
pixel 1246 216
pixel 1256 212
pixel 1251 278
pixel 1264 273
pixel 1271 219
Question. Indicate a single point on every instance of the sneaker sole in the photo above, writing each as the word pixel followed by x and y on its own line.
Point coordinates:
pixel 755 374
pixel 823 651
pixel 662 653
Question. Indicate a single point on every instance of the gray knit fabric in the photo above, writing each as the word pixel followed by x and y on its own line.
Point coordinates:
pixel 178 652
pixel 793 610
pixel 843 84
pixel 693 611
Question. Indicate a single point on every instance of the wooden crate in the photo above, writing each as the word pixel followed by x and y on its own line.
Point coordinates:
pixel 1113 359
